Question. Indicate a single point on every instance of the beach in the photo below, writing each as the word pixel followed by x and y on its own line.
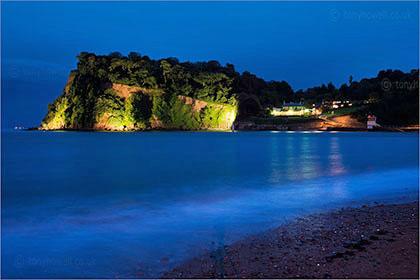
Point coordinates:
pixel 378 241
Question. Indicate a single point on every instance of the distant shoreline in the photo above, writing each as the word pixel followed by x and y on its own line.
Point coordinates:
pixel 343 129
pixel 367 242
pixel 340 123
pixel 254 128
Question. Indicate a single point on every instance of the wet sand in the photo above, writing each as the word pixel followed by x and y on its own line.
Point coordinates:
pixel 368 242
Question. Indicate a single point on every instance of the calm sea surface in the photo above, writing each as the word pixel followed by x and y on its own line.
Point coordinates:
pixel 79 204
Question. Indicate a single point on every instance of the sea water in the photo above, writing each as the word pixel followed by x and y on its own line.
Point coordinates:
pixel 105 205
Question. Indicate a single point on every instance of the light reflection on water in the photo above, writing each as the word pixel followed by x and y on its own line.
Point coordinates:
pixel 97 204
pixel 335 162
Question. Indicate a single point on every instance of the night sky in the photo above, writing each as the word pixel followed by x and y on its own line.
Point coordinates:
pixel 303 43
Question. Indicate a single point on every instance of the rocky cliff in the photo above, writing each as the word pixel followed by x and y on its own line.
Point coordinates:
pixel 129 94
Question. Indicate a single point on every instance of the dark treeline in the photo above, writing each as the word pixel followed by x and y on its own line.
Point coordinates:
pixel 393 96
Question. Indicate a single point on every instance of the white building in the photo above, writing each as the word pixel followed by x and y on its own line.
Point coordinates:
pixel 371 122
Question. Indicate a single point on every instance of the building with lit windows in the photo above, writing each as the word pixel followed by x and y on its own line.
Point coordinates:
pixel 293 109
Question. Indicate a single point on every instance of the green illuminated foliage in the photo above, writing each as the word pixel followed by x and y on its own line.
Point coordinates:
pixel 90 101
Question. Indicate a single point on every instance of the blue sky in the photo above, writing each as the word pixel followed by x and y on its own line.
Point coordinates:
pixel 303 43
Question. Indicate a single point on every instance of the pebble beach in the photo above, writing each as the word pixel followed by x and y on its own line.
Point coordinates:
pixel 367 242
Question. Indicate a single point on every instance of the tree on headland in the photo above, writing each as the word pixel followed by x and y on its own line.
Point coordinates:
pixel 115 55
pixel 134 56
pixel 166 68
